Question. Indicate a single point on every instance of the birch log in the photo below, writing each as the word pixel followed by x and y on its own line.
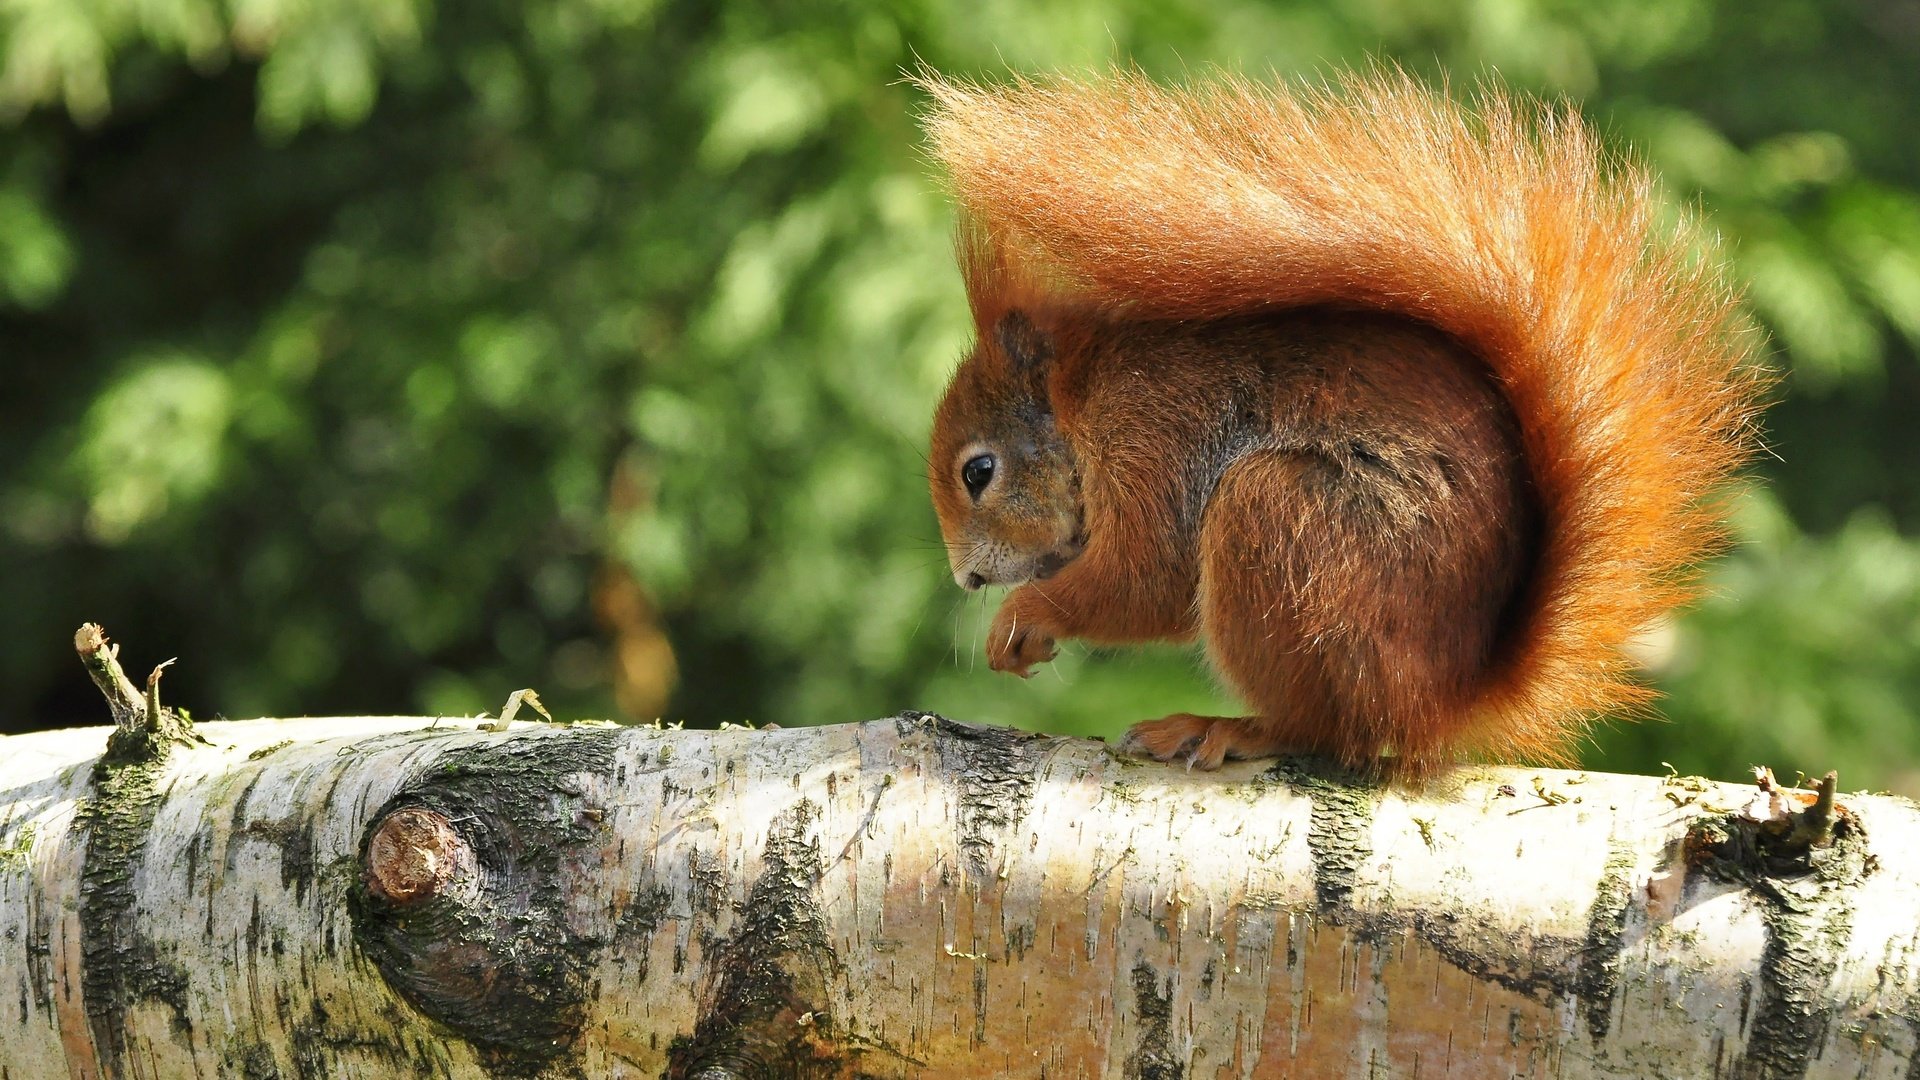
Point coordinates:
pixel 914 897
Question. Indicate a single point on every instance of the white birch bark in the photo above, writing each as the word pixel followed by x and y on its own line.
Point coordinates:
pixel 912 898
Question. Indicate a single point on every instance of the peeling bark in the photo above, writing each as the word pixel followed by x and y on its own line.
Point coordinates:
pixel 917 898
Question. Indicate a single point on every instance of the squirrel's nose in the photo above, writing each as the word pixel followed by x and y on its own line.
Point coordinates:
pixel 969 581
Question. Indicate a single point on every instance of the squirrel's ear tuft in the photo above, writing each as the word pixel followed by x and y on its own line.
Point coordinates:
pixel 1028 350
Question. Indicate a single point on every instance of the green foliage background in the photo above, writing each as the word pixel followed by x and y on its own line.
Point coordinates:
pixel 325 326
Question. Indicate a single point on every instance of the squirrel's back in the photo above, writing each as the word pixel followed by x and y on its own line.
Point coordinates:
pixel 1613 332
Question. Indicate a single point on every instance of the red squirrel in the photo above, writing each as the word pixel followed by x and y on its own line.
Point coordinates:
pixel 1413 414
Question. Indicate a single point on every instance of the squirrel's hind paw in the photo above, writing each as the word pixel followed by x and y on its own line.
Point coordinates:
pixel 1201 742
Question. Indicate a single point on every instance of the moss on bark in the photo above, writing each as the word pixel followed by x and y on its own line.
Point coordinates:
pixel 1807 903
pixel 1598 981
pixel 121 964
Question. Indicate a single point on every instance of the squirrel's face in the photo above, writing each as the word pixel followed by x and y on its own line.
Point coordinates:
pixel 1004 482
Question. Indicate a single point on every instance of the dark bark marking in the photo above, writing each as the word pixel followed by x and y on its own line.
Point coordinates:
pixel 979 1003
pixel 1339 837
pixel 237 821
pixel 709 877
pixel 39 952
pixel 292 835
pixel 642 915
pixel 294 838
pixel 638 920
pixel 257 1063
pixel 1805 897
pixel 1545 968
pixel 316 1044
pixel 1806 933
pixel 269 750
pixel 995 769
pixel 1153 1057
pixel 121 964
pixel 1340 834
pixel 1597 982
pixel 497 961
pixel 1808 924
pixel 766 1014
pixel 1020 938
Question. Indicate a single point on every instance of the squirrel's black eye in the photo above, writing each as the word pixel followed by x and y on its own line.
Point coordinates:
pixel 977 473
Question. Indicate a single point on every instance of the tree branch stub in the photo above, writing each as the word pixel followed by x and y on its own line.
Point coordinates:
pixel 143 729
pixel 102 659
pixel 414 854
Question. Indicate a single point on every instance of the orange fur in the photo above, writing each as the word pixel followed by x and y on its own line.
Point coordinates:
pixel 1127 218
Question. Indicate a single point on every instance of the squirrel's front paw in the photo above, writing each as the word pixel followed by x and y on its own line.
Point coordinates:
pixel 1017 642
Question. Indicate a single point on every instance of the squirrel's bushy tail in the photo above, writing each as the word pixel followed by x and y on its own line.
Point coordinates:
pixel 1613 329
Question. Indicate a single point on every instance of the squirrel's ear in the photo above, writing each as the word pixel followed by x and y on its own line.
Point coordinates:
pixel 1029 352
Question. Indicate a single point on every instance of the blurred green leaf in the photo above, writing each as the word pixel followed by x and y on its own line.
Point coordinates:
pixel 153 441
pixel 35 256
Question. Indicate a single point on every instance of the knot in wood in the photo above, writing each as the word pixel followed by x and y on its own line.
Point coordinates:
pixel 413 855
